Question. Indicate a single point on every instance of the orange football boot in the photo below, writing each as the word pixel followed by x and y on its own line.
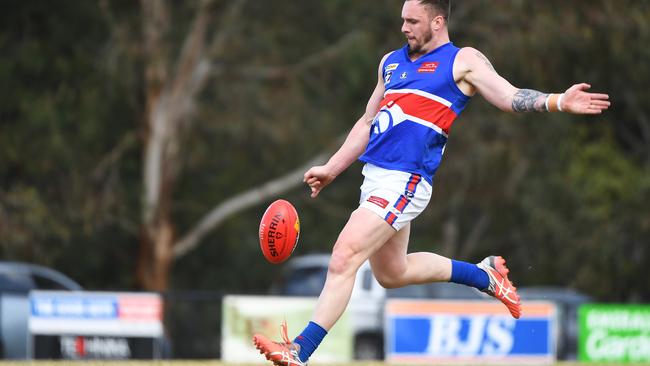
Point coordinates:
pixel 280 353
pixel 500 286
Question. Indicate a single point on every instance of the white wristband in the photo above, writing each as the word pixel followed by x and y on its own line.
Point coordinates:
pixel 559 102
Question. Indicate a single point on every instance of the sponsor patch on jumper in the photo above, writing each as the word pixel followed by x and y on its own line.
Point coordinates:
pixel 428 67
pixel 391 67
pixel 378 201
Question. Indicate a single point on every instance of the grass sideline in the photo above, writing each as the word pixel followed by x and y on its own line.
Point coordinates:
pixel 219 363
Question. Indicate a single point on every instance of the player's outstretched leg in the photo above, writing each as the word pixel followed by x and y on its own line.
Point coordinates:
pixel 500 286
pixel 280 353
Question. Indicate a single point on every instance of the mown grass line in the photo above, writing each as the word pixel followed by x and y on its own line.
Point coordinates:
pixel 219 363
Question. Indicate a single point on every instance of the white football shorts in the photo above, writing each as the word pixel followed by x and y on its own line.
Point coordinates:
pixel 397 197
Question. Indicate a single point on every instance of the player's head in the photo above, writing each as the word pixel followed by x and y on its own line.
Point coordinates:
pixel 422 20
pixel 436 7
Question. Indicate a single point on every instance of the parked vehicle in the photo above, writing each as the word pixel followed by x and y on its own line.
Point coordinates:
pixel 16 280
pixel 305 276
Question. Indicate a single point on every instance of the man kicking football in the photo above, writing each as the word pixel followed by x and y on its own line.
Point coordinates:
pixel 421 89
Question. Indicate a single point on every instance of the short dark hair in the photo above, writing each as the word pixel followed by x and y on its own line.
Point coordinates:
pixel 440 7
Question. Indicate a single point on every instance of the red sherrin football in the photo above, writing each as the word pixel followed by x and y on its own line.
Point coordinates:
pixel 279 231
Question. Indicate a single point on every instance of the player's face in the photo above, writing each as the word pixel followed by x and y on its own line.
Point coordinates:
pixel 417 25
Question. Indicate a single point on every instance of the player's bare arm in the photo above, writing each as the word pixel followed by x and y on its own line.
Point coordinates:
pixel 320 176
pixel 474 73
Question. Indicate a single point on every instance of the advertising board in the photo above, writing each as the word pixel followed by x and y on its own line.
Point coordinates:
pixel 469 332
pixel 94 325
pixel 614 333
pixel 244 316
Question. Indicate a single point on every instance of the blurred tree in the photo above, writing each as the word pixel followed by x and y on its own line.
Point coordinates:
pixel 59 135
pixel 172 86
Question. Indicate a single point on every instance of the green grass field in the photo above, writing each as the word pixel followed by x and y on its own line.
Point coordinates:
pixel 219 363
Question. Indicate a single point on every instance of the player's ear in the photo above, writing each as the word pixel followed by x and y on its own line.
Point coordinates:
pixel 437 22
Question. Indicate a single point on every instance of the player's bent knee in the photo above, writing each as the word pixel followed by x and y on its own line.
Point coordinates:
pixel 343 261
pixel 387 281
pixel 340 263
pixel 389 274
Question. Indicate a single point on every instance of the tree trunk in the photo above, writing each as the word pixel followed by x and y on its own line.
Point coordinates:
pixel 156 256
pixel 157 235
pixel 170 109
pixel 157 230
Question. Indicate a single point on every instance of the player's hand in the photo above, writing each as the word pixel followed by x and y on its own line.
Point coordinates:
pixel 577 100
pixel 317 178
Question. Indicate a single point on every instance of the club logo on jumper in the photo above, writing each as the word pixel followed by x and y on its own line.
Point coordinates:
pixel 428 67
pixel 378 201
pixel 383 121
pixel 391 67
pixel 403 75
pixel 387 77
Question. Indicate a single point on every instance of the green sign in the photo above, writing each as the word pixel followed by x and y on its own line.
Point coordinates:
pixel 616 333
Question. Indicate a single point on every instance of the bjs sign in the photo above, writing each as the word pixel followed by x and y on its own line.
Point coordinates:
pixel 449 332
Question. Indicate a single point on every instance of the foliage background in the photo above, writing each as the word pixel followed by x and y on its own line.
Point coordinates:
pixel 564 198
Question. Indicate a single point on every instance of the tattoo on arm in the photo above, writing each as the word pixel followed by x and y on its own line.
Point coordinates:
pixel 485 59
pixel 528 100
